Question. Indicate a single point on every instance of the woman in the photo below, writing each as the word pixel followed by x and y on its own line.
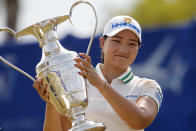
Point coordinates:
pixel 118 98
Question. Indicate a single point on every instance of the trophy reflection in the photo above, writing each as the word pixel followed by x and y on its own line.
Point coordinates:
pixel 67 89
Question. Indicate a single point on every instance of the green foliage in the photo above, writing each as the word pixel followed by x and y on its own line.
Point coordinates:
pixel 159 12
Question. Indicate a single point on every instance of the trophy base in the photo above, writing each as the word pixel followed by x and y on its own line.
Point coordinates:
pixel 88 126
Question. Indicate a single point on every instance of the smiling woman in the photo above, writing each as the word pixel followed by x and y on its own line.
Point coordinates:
pixel 116 96
pixel 121 49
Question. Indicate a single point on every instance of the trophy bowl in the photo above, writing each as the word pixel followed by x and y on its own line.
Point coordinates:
pixel 67 89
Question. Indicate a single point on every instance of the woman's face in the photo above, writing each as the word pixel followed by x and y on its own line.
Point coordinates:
pixel 120 50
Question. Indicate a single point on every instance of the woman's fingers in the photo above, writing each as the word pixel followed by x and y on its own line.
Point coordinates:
pixel 81 67
pixel 88 58
pixel 82 61
pixel 37 85
pixel 44 94
pixel 41 89
pixel 86 61
pixel 84 65
pixel 84 74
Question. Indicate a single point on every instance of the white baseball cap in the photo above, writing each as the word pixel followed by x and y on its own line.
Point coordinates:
pixel 119 23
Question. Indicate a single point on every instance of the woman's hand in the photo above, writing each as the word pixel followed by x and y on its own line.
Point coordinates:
pixel 41 89
pixel 88 71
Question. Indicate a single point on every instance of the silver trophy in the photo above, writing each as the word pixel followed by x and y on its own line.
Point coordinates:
pixel 67 89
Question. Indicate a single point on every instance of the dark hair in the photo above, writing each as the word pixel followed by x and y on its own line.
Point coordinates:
pixel 102 54
pixel 105 37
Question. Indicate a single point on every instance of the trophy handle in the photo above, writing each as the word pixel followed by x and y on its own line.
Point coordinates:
pixel 10 31
pixel 16 68
pixel 95 27
pixel 8 63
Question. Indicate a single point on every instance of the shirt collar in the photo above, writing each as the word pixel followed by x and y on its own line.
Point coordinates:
pixel 126 77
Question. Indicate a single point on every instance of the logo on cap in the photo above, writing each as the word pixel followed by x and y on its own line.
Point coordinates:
pixel 127 20
pixel 125 24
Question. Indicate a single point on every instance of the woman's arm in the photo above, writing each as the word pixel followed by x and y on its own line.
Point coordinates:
pixel 52 119
pixel 137 116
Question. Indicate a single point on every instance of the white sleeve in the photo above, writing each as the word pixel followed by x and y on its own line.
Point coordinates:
pixel 152 89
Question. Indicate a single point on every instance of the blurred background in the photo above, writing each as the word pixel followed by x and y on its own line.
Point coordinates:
pixel 167 55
